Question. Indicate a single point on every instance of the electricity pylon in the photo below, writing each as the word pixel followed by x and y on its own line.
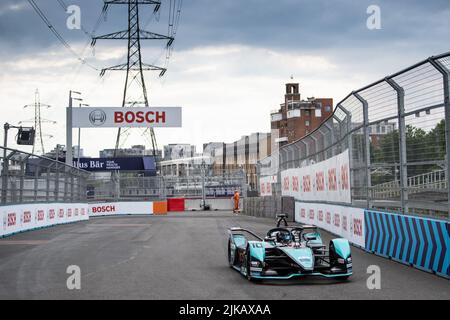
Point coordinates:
pixel 134 66
pixel 38 120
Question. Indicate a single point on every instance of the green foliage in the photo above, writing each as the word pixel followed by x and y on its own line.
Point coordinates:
pixel 420 146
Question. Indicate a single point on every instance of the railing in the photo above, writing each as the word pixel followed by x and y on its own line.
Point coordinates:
pixel 25 177
pixel 435 181
pixel 397 133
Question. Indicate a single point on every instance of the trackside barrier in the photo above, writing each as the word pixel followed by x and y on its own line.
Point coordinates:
pixel 26 217
pixel 420 242
pixel 127 208
pixel 214 203
pixel 121 208
pixel 346 222
pixel 176 204
pixel 160 207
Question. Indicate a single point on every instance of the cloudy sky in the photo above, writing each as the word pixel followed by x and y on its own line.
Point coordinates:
pixel 230 62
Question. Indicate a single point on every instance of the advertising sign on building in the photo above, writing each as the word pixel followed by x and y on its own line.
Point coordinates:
pixel 121 164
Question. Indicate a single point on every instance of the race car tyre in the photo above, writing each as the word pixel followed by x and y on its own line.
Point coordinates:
pixel 230 260
pixel 247 263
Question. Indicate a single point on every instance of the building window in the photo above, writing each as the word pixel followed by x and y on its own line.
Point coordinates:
pixel 307 113
pixel 318 113
pixel 307 123
pixel 327 108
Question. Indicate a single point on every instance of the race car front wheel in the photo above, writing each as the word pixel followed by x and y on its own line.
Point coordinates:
pixel 231 256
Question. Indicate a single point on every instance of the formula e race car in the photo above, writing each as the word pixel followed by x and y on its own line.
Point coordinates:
pixel 288 252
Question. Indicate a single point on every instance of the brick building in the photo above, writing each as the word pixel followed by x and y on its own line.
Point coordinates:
pixel 296 117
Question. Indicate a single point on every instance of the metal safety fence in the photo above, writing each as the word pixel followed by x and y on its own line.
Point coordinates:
pixel 138 186
pixel 397 133
pixel 25 178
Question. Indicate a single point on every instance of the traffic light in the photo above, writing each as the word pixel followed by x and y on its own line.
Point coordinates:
pixel 26 136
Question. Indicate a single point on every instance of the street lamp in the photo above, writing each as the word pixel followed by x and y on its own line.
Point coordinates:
pixel 69 153
pixel 79 137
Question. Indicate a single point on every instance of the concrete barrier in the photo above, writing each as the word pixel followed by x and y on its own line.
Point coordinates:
pixel 420 242
pixel 214 203
pixel 343 221
pixel 160 207
pixel 120 208
pixel 176 204
pixel 25 217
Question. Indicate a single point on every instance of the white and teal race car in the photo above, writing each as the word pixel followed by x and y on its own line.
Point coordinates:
pixel 288 252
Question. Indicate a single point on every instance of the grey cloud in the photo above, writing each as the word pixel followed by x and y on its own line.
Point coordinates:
pixel 282 24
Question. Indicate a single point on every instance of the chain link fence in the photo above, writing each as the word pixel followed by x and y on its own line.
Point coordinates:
pixel 26 178
pixel 397 134
pixel 136 186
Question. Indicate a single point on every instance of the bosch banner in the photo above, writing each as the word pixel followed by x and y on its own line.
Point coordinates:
pixel 126 117
pixel 327 180
pixel 120 208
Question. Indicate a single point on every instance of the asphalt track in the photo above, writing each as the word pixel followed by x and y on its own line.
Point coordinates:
pixel 179 256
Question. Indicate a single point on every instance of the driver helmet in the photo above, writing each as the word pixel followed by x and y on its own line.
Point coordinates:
pixel 283 237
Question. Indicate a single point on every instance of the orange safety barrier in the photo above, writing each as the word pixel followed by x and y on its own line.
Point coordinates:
pixel 159 207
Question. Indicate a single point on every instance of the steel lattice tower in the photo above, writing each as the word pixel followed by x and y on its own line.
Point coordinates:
pixel 38 120
pixel 134 66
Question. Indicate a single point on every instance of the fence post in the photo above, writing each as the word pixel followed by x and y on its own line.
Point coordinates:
pixel 402 143
pixel 365 106
pixel 56 190
pixel 47 185
pixel 350 147
pixel 66 186
pixel 446 78
pixel 331 142
pixel 22 178
pixel 36 181
pixel 72 191
pixel 5 177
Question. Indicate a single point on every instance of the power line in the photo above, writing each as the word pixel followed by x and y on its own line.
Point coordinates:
pixel 57 34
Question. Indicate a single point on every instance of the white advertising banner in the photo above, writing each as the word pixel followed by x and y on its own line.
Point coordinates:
pixel 19 218
pixel 120 208
pixel 126 117
pixel 265 185
pixel 346 222
pixel 323 181
pixel 2 227
pixel 11 219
